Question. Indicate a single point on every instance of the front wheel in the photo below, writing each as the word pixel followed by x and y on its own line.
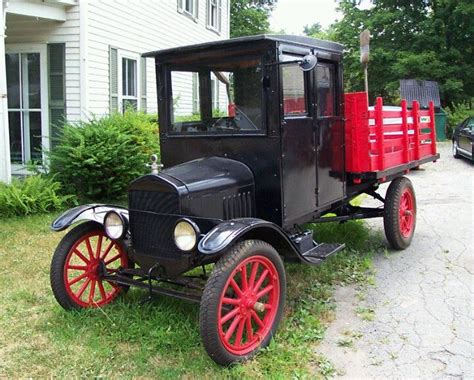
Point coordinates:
pixel 455 149
pixel 400 213
pixel 81 258
pixel 242 302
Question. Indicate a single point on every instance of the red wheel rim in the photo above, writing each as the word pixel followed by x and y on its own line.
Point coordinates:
pixel 84 263
pixel 407 213
pixel 248 305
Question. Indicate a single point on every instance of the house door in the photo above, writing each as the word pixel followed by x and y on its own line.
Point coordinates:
pixel 27 104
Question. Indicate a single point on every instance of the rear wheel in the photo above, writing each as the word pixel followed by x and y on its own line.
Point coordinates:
pixel 81 258
pixel 242 302
pixel 400 213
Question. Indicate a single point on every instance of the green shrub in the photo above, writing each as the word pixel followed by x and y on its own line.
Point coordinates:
pixel 32 195
pixel 96 160
pixel 456 114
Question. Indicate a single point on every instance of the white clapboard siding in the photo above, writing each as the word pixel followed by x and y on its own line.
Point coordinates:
pixel 137 27
pixel 29 30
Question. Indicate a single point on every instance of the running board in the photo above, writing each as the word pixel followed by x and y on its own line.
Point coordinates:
pixel 312 252
pixel 321 252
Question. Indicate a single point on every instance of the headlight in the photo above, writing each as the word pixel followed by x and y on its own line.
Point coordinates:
pixel 115 225
pixel 185 235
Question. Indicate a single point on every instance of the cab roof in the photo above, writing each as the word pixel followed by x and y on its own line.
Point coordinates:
pixel 278 38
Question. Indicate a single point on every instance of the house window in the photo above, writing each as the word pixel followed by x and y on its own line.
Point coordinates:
pixel 127 81
pixel 129 84
pixel 189 7
pixel 214 14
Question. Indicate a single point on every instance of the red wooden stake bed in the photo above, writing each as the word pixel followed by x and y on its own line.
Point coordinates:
pixel 381 142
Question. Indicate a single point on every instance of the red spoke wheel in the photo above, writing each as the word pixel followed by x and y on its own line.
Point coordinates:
pixel 400 213
pixel 243 301
pixel 81 258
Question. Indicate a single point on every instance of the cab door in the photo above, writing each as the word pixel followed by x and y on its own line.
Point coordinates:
pixel 298 150
pixel 329 135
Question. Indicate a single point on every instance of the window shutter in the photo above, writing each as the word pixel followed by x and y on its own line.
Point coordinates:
pixel 196 10
pixel 219 15
pixel 113 80
pixel 57 85
pixel 143 84
pixel 180 6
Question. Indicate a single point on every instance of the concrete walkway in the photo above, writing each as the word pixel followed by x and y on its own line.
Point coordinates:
pixel 417 321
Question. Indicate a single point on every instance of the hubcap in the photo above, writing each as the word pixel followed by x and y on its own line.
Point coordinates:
pixel 84 267
pixel 248 305
pixel 407 213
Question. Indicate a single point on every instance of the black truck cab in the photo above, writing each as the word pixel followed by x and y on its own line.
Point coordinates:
pixel 283 123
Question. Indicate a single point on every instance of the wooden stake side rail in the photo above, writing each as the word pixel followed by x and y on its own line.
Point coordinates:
pixel 379 140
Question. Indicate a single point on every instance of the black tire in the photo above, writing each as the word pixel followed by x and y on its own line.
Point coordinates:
pixel 455 149
pixel 398 230
pixel 243 254
pixel 63 290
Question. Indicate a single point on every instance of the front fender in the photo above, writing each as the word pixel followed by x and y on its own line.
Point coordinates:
pixel 94 212
pixel 225 234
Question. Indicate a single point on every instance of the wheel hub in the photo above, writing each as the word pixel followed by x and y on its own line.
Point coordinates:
pixel 93 269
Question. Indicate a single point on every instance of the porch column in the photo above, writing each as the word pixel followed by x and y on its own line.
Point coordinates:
pixel 5 166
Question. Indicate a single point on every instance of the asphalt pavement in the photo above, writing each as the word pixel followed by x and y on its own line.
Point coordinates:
pixel 417 320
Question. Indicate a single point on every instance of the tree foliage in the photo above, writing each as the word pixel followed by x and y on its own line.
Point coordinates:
pixel 250 17
pixel 411 39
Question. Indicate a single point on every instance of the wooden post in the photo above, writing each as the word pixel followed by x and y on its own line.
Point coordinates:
pixel 416 127
pixel 433 128
pixel 379 132
pixel 406 146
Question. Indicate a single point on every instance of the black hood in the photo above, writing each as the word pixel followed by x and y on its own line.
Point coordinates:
pixel 204 187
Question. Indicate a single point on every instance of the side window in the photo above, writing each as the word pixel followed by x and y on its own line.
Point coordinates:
pixel 470 125
pixel 294 90
pixel 326 95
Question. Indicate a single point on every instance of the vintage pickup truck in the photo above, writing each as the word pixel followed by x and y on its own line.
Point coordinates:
pixel 239 184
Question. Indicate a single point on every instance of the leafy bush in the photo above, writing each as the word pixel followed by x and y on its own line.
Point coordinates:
pixel 97 159
pixel 32 195
pixel 456 114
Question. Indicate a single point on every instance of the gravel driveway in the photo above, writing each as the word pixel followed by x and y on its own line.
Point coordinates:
pixel 417 321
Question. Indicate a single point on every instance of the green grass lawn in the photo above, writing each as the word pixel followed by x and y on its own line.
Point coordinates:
pixel 159 339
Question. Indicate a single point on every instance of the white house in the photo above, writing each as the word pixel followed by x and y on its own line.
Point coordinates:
pixel 72 59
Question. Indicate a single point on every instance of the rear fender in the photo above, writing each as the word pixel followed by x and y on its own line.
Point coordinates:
pixel 227 233
pixel 94 212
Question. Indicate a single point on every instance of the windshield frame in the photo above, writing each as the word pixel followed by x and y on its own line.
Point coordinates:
pixel 195 67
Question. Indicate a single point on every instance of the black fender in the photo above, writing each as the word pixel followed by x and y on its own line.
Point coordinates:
pixel 94 212
pixel 227 233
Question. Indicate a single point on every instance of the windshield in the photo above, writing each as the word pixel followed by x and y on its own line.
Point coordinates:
pixel 225 97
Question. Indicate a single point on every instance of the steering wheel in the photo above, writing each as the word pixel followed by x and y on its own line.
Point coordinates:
pixel 229 123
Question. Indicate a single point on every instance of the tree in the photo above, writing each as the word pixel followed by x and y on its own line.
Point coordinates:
pixel 250 17
pixel 312 30
pixel 419 39
pixel 317 31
